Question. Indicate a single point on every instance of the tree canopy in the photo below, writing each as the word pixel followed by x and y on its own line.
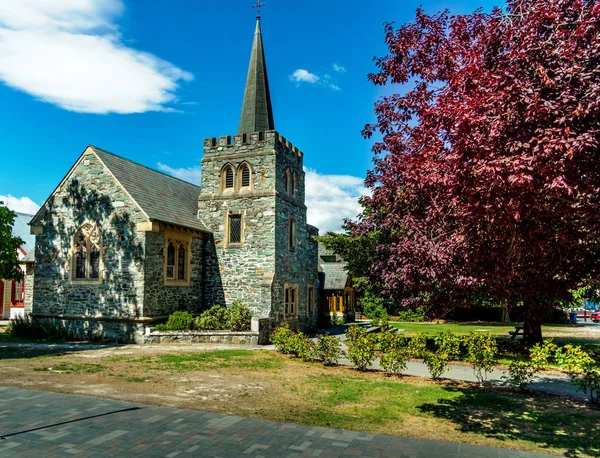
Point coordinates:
pixel 487 173
pixel 9 263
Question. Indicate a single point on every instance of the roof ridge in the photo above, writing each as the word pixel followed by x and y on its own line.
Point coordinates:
pixel 95 148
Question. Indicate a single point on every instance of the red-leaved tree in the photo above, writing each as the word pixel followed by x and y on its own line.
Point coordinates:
pixel 487 176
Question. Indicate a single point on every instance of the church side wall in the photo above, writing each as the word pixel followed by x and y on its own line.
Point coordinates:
pixel 161 299
pixel 91 195
pixel 294 266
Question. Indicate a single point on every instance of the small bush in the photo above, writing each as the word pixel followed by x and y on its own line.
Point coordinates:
pixel 354 331
pixel 521 373
pixel 361 351
pixel 328 349
pixel 540 354
pixel 303 347
pixel 582 369
pixel 448 343
pixel 178 321
pixel 394 353
pixel 482 350
pixel 418 345
pixel 436 362
pixel 240 317
pixel 215 318
pixel 409 315
pixel 282 339
pixel 24 328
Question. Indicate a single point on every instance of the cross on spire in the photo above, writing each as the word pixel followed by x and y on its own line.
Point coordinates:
pixel 257 6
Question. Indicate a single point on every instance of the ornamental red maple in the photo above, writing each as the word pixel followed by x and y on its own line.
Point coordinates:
pixel 487 174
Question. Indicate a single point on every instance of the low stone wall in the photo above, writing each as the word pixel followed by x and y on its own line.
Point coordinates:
pixel 229 337
pixel 259 334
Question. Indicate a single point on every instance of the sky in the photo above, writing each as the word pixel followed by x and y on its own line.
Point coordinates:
pixel 150 79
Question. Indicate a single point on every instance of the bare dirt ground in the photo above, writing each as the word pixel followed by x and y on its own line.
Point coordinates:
pixel 265 384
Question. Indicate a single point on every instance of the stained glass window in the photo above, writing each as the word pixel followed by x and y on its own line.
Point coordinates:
pixel 86 253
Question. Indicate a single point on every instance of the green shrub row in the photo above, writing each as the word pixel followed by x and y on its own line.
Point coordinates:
pixel 327 349
pixel 393 350
pixel 235 318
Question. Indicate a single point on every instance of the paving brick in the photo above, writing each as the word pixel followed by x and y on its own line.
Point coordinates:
pixel 151 431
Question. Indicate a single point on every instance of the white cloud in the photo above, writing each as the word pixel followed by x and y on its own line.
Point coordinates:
pixel 21 205
pixel 339 68
pixel 304 76
pixel 69 53
pixel 332 198
pixel 190 174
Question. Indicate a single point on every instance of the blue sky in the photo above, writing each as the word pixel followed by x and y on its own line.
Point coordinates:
pixel 150 79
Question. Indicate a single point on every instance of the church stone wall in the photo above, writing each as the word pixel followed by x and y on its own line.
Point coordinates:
pixel 298 266
pixel 245 272
pixel 90 194
pixel 257 272
pixel 161 299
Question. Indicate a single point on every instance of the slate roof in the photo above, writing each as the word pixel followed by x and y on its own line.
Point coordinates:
pixel 162 197
pixel 21 229
pixel 335 275
pixel 257 111
pixel 29 257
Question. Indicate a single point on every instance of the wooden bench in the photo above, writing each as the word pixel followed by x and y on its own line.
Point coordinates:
pixel 517 332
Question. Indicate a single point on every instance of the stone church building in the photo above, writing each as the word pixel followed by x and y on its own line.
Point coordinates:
pixel 120 245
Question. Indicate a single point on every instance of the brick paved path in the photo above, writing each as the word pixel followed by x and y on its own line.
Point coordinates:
pixel 41 424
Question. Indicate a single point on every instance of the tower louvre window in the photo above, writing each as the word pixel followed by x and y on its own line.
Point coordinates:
pixel 245 176
pixel 229 178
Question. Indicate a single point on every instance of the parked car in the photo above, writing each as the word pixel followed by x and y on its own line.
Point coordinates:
pixel 596 316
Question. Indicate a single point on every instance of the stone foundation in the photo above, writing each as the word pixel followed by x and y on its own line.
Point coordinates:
pixel 224 337
pixel 110 330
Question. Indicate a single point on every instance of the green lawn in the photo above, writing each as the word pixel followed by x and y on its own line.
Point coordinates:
pixel 499 329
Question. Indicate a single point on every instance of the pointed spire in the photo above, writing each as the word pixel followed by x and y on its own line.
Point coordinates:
pixel 257 112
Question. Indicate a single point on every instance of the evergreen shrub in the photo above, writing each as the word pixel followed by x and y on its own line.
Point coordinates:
pixel 240 317
pixel 214 319
pixel 328 349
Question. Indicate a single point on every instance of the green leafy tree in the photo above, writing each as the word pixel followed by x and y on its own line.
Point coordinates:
pixel 9 263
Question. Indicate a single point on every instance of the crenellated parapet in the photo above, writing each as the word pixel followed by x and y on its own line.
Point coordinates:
pixel 254 141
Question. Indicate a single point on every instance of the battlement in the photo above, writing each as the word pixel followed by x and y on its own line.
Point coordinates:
pixel 252 138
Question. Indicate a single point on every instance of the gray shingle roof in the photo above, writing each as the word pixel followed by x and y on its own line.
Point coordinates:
pixel 335 275
pixel 257 111
pixel 162 197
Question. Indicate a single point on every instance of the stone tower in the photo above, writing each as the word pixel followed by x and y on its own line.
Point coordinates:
pixel 252 199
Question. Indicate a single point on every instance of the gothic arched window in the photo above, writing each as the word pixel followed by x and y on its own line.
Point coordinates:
pixel 177 258
pixel 228 178
pixel 295 185
pixel 288 181
pixel 86 260
pixel 245 174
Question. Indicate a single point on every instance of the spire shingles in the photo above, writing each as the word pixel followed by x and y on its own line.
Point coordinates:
pixel 257 112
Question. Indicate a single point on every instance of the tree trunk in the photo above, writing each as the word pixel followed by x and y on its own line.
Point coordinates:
pixel 532 332
pixel 505 314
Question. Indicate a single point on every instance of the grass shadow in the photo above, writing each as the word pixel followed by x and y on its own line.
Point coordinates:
pixel 550 422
